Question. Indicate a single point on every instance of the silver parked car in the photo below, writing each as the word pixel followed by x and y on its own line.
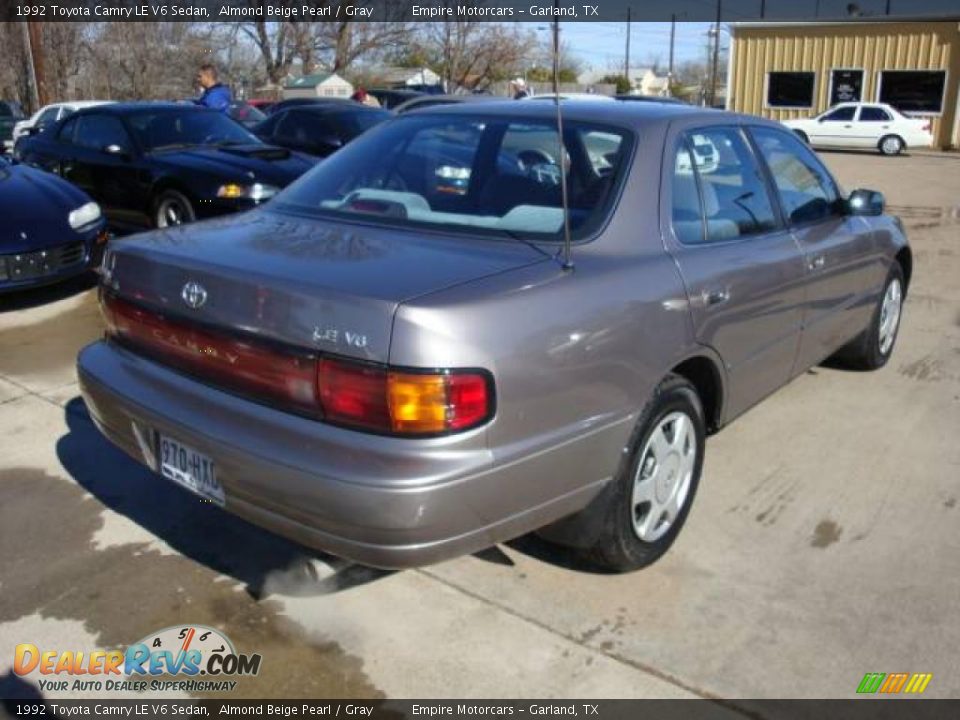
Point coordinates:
pixel 389 362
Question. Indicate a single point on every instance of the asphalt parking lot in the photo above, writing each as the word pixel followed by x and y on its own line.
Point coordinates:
pixel 823 543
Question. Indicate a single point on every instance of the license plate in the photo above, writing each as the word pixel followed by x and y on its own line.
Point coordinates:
pixel 192 469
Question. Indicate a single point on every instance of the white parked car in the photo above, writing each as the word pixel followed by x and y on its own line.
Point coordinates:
pixel 48 115
pixel 864 125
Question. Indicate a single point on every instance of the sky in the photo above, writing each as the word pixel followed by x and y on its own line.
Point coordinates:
pixel 601 45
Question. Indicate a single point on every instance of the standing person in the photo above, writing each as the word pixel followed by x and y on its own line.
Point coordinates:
pixel 519 88
pixel 364 98
pixel 214 94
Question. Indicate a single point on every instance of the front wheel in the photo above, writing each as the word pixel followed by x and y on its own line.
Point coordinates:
pixel 891 145
pixel 873 348
pixel 172 208
pixel 647 503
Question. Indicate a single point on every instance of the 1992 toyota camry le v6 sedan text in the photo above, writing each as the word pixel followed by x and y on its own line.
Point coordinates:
pixel 389 361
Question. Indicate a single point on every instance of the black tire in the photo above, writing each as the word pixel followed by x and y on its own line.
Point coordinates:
pixel 866 352
pixel 171 208
pixel 618 546
pixel 802 135
pixel 891 145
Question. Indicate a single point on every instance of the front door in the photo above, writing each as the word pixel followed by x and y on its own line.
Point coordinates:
pixel 742 269
pixel 844 267
pixel 104 165
pixel 835 128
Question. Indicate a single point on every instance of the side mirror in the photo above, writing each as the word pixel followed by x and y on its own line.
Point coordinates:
pixel 116 151
pixel 866 202
pixel 31 131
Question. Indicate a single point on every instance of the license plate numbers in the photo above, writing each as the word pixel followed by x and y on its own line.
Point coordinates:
pixel 191 469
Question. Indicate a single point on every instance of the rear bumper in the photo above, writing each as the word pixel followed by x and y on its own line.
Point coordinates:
pixel 381 501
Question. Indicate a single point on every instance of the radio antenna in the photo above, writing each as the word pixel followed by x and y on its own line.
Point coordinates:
pixel 567 263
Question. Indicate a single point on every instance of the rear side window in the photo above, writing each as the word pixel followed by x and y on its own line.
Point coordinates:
pixel 874 114
pixel 298 127
pixel 717 176
pixel 807 192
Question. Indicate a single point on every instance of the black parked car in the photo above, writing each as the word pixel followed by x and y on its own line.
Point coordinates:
pixel 51 230
pixel 319 129
pixel 389 98
pixel 10 114
pixel 246 114
pixel 161 164
pixel 298 102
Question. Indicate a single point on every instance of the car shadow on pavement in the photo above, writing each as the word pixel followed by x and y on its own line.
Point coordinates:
pixel 265 563
pixel 27 299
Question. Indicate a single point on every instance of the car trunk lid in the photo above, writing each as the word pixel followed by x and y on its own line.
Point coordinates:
pixel 299 281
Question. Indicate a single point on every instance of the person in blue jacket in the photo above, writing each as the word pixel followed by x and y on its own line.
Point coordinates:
pixel 215 94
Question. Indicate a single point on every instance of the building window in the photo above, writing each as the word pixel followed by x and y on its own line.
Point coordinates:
pixel 846 86
pixel 790 89
pixel 915 91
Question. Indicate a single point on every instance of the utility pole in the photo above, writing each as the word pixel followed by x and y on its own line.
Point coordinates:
pixel 37 74
pixel 716 54
pixel 763 9
pixel 888 7
pixel 673 36
pixel 626 61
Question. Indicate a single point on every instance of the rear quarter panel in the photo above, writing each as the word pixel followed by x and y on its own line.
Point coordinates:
pixel 575 354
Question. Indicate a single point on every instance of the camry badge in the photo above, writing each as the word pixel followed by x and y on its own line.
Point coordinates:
pixel 194 294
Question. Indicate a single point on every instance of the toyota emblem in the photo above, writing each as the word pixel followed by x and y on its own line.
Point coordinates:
pixel 194 294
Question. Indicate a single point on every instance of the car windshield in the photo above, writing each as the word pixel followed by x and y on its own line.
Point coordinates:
pixel 482 175
pixel 183 128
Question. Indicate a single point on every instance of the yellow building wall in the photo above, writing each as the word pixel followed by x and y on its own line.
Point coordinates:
pixel 872 47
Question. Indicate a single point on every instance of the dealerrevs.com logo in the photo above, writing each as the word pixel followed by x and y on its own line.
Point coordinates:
pixel 191 658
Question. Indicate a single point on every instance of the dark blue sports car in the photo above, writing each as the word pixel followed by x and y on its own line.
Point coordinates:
pixel 50 230
pixel 162 164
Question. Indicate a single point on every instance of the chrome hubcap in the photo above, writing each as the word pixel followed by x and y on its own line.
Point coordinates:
pixel 661 486
pixel 170 213
pixel 890 315
pixel 891 145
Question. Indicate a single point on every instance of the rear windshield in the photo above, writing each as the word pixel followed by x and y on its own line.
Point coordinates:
pixel 489 175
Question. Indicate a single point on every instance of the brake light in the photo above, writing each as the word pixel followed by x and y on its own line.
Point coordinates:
pixel 344 392
pixel 402 402
pixel 928 126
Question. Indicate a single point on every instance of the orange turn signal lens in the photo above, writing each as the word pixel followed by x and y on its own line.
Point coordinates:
pixel 418 403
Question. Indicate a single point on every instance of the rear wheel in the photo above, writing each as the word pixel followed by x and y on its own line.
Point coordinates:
pixel 172 208
pixel 891 145
pixel 646 505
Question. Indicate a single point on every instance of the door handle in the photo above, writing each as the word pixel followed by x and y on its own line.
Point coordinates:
pixel 715 297
pixel 848 126
pixel 816 262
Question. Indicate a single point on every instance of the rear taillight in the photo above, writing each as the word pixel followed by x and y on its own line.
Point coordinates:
pixel 928 126
pixel 403 402
pixel 344 392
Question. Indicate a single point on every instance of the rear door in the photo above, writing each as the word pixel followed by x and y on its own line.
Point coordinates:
pixel 843 265
pixel 873 122
pixel 742 269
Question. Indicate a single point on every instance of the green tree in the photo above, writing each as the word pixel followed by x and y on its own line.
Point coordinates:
pixel 621 81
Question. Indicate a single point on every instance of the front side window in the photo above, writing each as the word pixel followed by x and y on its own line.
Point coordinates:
pixel 919 91
pixel 790 89
pixel 99 131
pixel 807 192
pixel 495 175
pixel 844 114
pixel 67 131
pixel 163 129
pixel 47 117
pixel 733 195
pixel 870 113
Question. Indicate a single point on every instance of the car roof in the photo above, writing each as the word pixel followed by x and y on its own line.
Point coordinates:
pixel 123 108
pixel 626 113
pixel 329 108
